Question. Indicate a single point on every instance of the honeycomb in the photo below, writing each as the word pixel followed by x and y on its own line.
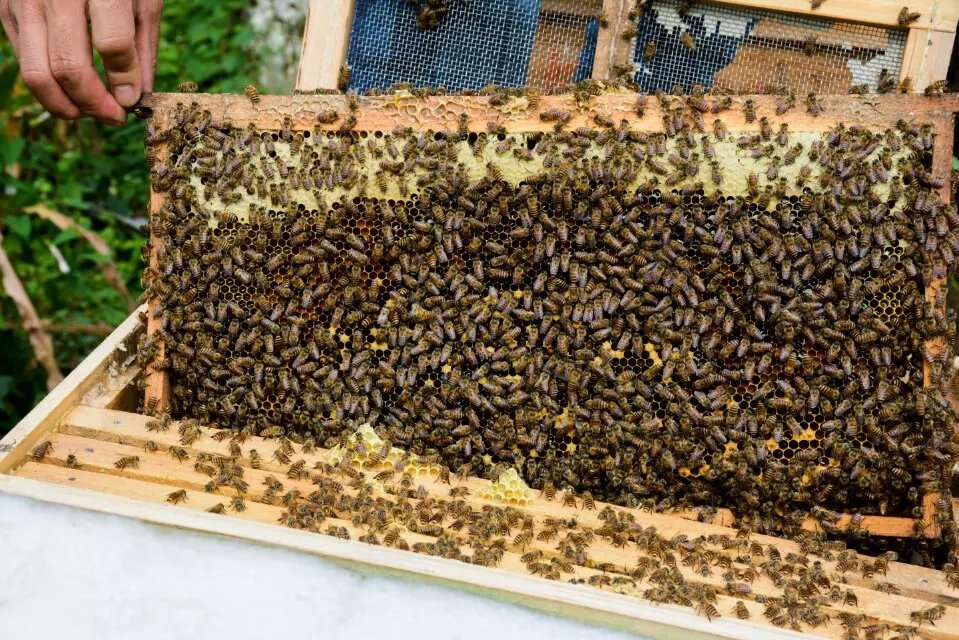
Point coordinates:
pixel 366 450
pixel 509 489
pixel 687 316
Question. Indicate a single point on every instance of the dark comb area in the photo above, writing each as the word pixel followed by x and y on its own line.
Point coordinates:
pixel 685 317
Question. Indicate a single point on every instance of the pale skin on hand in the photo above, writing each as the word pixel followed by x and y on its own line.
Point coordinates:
pixel 54 41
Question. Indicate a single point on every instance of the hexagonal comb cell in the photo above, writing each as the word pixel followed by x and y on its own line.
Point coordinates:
pixel 509 489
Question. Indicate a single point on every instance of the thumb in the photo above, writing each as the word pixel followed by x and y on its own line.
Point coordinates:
pixel 113 36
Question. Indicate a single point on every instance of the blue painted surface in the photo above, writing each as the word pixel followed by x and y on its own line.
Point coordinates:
pixel 585 68
pixel 477 43
pixel 674 63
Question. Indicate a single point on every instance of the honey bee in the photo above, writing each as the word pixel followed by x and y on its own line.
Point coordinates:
pixel 749 108
pixel 237 504
pixel 905 85
pixel 343 78
pixel 741 611
pixel 907 17
pixel 252 93
pixel 132 462
pixel 688 40
pixel 719 129
pixel 937 88
pixel 217 508
pixel 649 51
pixel 176 497
pixel 327 116
pixel 812 104
pixel 41 450
pixel 178 453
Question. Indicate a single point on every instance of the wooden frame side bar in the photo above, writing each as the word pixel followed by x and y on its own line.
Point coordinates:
pixel 45 417
pixel 927 55
pixel 326 39
pixel 608 40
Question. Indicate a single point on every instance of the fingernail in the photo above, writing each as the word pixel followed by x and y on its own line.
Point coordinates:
pixel 125 95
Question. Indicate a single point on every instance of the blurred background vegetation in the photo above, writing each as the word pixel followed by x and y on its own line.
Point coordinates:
pixel 63 180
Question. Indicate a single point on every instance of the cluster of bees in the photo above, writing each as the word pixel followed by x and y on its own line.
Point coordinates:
pixel 368 491
pixel 613 322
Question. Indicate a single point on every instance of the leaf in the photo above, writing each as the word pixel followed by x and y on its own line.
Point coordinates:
pixel 20 225
pixel 65 236
pixel 11 149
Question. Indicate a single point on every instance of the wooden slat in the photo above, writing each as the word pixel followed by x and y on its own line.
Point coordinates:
pixel 927 55
pixel 326 38
pixel 937 14
pixel 383 113
pixel 97 456
pixel 130 429
pixel 584 8
pixel 157 392
pixel 589 605
pixel 16 444
pixel 606 41
pixel 116 391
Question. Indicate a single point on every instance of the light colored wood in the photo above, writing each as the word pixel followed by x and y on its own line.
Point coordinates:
pixel 606 45
pixel 131 430
pixel 117 392
pixel 382 113
pixel 574 601
pixel 157 390
pixel 873 604
pixel 584 8
pixel 937 14
pixel 927 55
pixel 95 465
pixel 45 416
pixel 326 39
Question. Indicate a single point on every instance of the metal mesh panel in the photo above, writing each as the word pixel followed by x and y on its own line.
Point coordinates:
pixel 510 43
pixel 752 51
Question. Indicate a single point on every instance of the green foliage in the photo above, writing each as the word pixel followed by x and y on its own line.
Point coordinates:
pixel 98 176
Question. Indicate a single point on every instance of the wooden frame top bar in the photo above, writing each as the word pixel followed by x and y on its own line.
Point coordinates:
pixel 383 113
pixel 936 15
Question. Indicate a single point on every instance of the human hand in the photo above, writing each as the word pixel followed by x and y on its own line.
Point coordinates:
pixel 52 44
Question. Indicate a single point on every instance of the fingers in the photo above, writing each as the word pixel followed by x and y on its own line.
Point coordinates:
pixel 71 61
pixel 35 64
pixel 147 21
pixel 9 26
pixel 113 31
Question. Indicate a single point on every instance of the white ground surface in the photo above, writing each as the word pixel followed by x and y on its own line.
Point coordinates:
pixel 68 573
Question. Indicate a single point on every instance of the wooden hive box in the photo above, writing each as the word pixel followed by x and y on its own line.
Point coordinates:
pixel 376 115
pixel 90 416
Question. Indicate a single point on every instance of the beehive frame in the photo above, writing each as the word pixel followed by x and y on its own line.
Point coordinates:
pixel 441 113
pixel 91 414
pixel 928 45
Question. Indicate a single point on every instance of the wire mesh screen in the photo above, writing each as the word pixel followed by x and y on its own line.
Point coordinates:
pixel 751 51
pixel 511 43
